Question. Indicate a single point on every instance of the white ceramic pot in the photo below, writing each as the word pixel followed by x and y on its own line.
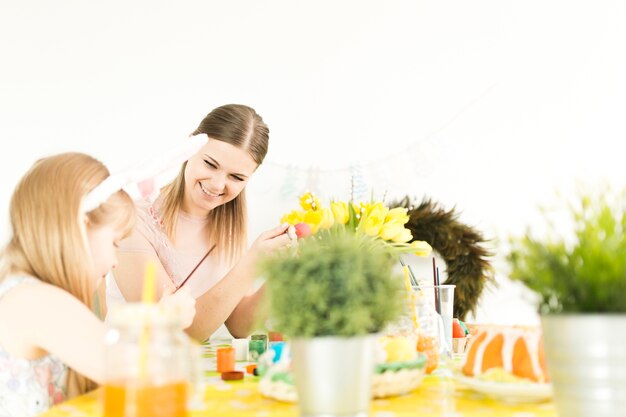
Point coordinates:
pixel 333 375
pixel 586 356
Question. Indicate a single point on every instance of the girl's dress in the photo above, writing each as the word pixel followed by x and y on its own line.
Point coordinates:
pixel 28 387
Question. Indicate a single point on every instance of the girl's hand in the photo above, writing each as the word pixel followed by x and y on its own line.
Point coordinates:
pixel 183 303
pixel 275 238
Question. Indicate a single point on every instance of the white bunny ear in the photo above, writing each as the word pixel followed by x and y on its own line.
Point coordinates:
pixel 104 190
pixel 143 176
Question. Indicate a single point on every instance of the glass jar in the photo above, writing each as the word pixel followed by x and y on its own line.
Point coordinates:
pixel 428 340
pixel 149 362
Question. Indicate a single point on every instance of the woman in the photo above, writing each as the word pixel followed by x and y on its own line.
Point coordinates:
pixel 196 229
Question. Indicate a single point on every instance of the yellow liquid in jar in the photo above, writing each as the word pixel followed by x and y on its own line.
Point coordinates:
pixel 167 400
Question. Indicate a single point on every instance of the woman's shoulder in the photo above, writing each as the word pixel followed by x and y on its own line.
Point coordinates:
pixel 148 231
pixel 150 213
pixel 142 204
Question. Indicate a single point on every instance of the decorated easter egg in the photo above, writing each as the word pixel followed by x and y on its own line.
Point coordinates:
pixel 457 329
pixel 399 349
pixel 302 230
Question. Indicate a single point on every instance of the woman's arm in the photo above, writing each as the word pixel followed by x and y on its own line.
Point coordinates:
pixel 225 302
pixel 214 307
pixel 246 315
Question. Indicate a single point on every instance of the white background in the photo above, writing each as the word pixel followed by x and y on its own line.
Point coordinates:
pixel 489 106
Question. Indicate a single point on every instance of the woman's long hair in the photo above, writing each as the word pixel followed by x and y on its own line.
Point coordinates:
pixel 48 230
pixel 243 128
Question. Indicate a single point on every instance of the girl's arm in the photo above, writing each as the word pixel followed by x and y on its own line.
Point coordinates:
pixel 46 319
pixel 38 318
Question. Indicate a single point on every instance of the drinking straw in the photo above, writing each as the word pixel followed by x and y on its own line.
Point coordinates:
pixel 410 296
pixel 417 284
pixel 436 287
pixel 148 297
pixel 438 292
pixel 149 284
pixel 413 279
pixel 434 271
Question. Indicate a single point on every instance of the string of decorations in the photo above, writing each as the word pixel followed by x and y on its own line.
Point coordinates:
pixel 400 169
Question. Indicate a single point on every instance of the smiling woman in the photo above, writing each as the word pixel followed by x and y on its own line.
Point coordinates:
pixel 196 229
pixel 216 175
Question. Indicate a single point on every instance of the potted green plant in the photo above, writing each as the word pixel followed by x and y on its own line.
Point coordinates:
pixel 581 281
pixel 330 295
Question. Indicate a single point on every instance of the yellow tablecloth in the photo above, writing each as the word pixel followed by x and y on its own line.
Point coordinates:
pixel 435 397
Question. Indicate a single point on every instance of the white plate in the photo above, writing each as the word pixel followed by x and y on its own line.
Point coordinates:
pixel 517 392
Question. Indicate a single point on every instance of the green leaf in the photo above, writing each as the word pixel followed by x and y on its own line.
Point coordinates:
pixel 586 274
pixel 353 221
pixel 342 284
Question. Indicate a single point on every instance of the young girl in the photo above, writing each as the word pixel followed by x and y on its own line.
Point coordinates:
pixel 196 230
pixel 57 254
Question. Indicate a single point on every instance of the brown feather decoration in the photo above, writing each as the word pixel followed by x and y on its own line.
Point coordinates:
pixel 458 244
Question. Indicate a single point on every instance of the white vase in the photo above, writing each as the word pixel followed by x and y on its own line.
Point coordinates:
pixel 586 356
pixel 333 375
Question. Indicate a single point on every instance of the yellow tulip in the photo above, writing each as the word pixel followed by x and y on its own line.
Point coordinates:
pixel 327 218
pixel 308 201
pixel 372 222
pixel 313 218
pixel 340 212
pixel 363 208
pixel 404 236
pixel 398 214
pixel 421 248
pixel 357 210
pixel 293 217
pixel 391 229
pixel 379 210
pixel 371 226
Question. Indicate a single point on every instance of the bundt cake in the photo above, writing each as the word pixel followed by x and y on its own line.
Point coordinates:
pixel 516 350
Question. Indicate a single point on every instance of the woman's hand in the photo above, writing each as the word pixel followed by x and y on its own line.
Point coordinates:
pixel 275 238
pixel 182 302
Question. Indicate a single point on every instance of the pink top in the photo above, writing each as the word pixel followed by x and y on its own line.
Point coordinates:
pixel 179 258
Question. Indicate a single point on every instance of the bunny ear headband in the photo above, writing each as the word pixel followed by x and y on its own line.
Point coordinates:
pixel 143 175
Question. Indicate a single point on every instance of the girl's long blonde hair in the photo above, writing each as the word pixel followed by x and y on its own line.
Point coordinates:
pixel 48 235
pixel 243 128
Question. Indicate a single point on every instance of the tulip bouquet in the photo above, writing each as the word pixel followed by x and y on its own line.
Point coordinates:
pixel 371 219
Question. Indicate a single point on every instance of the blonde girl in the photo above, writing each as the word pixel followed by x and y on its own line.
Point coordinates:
pixel 51 344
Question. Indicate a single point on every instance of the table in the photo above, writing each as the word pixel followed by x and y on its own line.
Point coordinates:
pixel 437 396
